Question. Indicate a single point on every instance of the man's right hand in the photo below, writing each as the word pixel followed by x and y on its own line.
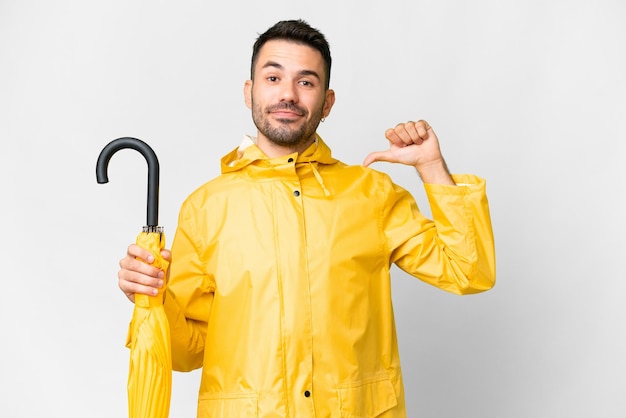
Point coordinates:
pixel 137 275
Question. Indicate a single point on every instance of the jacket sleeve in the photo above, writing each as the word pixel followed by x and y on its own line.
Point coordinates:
pixel 455 251
pixel 188 297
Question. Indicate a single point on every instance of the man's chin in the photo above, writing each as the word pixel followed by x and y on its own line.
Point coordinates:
pixel 285 135
pixel 286 142
pixel 287 121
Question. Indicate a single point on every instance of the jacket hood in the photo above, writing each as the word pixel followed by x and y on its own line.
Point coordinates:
pixel 248 153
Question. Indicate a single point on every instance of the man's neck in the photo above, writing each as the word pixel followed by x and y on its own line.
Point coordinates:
pixel 273 150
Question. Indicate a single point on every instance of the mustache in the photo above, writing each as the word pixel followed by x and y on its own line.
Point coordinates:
pixel 286 106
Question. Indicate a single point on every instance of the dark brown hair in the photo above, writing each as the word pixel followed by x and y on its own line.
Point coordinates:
pixel 297 31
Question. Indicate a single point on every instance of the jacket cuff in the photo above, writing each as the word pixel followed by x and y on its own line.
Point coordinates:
pixel 465 184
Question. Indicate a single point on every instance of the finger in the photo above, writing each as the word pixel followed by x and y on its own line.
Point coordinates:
pixel 399 136
pixel 393 137
pixel 136 251
pixel 422 127
pixel 412 132
pixel 133 264
pixel 135 282
pixel 376 156
pixel 130 288
pixel 167 255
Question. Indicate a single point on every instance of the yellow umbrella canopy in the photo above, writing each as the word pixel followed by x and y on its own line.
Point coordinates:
pixel 150 370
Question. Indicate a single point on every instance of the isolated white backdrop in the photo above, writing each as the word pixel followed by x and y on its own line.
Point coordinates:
pixel 528 94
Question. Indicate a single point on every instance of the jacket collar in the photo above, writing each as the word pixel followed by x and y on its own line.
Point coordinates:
pixel 248 153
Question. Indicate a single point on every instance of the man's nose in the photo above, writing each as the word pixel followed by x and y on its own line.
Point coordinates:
pixel 289 93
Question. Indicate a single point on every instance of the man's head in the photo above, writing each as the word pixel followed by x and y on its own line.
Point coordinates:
pixel 288 91
pixel 297 31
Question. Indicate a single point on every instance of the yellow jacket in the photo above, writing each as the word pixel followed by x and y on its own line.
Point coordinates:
pixel 280 281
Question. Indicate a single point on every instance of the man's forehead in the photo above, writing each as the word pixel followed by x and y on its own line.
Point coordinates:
pixel 282 52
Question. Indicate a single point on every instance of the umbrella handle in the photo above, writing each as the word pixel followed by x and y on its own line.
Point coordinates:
pixel 153 171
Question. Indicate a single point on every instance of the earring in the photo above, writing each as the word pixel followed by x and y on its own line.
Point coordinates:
pixel 322 120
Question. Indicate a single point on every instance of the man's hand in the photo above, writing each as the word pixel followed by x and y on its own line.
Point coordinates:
pixel 137 275
pixel 415 144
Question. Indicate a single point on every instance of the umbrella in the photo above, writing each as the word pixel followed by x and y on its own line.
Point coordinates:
pixel 150 371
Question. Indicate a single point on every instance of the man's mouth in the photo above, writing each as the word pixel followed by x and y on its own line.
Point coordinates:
pixel 286 111
pixel 282 115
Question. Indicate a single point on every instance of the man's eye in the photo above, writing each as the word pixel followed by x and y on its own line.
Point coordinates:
pixel 306 83
pixel 272 78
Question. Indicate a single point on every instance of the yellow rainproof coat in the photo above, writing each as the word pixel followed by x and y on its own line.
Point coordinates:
pixel 280 281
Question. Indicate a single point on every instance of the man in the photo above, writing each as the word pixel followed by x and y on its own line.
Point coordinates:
pixel 279 286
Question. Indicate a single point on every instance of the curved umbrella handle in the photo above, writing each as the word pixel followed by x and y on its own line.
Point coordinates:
pixel 153 171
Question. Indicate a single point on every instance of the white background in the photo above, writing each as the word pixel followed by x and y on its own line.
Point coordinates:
pixel 527 94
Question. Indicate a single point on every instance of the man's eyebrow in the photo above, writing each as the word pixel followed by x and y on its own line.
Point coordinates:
pixel 273 64
pixel 278 66
pixel 311 73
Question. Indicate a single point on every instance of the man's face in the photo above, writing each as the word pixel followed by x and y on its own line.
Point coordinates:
pixel 288 97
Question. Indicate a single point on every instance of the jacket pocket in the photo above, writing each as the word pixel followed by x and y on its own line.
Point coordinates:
pixel 228 405
pixel 366 398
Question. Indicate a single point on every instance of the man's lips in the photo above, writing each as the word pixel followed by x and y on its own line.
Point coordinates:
pixel 285 114
pixel 286 111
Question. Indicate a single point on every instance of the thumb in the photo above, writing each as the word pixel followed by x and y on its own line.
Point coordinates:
pixel 376 156
pixel 166 254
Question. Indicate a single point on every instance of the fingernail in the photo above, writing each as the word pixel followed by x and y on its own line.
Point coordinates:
pixel 150 259
pixel 155 292
pixel 160 283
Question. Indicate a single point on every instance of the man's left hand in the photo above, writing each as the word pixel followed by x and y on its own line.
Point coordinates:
pixel 415 144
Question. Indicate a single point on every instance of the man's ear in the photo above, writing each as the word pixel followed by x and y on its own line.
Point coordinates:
pixel 328 102
pixel 247 93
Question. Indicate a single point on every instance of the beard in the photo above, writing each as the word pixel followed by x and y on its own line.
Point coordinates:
pixel 288 133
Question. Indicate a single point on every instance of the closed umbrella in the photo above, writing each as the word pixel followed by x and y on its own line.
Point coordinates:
pixel 150 370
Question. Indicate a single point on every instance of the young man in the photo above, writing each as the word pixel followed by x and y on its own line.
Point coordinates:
pixel 279 286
